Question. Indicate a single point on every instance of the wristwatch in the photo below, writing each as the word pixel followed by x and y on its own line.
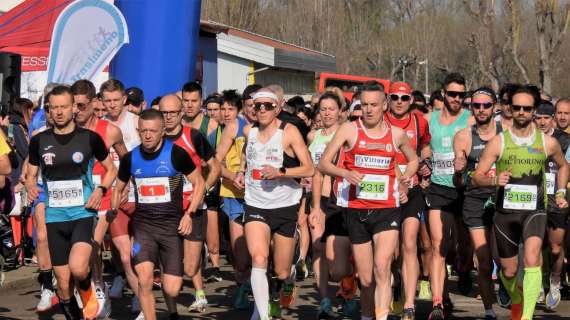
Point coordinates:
pixel 282 170
pixel 103 189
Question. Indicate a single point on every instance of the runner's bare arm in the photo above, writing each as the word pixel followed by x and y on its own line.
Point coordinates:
pixel 489 156
pixel 345 135
pixel 555 152
pixel 224 146
pixel 118 190
pixel 461 145
pixel 32 182
pixel 116 137
pixel 214 170
pixel 403 143
pixel 292 139
pixel 198 186
pixel 110 172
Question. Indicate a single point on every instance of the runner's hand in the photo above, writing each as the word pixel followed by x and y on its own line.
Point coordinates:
pixel 94 201
pixel 403 190
pixel 185 226
pixel 504 178
pixel 403 197
pixel 561 203
pixel 239 181
pixel 460 163
pixel 315 217
pixel 424 170
pixel 269 172
pixel 33 192
pixel 353 177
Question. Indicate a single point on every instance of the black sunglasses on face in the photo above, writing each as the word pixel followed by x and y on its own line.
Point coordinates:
pixel 404 97
pixel 476 105
pixel 81 106
pixel 268 106
pixel 517 108
pixel 354 118
pixel 455 94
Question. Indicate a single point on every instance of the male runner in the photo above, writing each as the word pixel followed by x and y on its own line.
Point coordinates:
pixel 193 117
pixel 416 128
pixel 274 155
pixel 557 217
pixel 201 152
pixel 158 168
pixel 65 155
pixel 248 111
pixel 562 115
pixel 521 154
pixel 229 152
pixel 371 191
pixel 84 95
pixel 442 198
pixel 114 99
pixel 478 208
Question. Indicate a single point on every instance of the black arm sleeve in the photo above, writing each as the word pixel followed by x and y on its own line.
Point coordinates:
pixel 181 160
pixel 125 168
pixel 98 146
pixel 34 154
pixel 203 147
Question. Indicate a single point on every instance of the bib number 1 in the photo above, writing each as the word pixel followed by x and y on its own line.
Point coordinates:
pixel 153 190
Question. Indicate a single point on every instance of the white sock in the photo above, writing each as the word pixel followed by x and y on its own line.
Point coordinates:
pixel 490 312
pixel 260 289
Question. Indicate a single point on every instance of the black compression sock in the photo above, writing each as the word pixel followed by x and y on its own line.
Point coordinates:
pixel 45 278
pixel 85 283
pixel 70 309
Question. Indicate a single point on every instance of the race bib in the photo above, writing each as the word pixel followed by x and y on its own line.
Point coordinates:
pixel 550 182
pixel 65 193
pixel 131 195
pixel 317 153
pixel 187 185
pixel 520 197
pixel 373 187
pixel 153 190
pixel 443 163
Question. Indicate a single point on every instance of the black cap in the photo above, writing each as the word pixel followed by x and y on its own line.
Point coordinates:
pixel 135 96
pixel 545 109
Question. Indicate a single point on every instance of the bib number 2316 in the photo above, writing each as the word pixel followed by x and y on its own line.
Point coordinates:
pixel 520 197
pixel 153 190
pixel 67 193
pixel 373 187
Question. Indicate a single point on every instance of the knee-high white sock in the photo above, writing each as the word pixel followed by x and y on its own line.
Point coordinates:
pixel 260 289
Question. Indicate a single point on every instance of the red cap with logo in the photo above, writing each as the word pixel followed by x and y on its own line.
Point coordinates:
pixel 401 88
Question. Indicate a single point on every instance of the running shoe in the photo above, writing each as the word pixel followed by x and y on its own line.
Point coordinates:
pixel 425 290
pixel 274 309
pixel 503 298
pixel 553 297
pixel 90 303
pixel 241 301
pixel 135 305
pixel 117 287
pixel 48 300
pixel 199 304
pixel 325 310
pixel 437 313
pixel 302 270
pixel 215 275
pixel 464 283
pixel 516 311
pixel 409 314
pixel 104 304
pixel 397 304
pixel 540 298
pixel 140 316
pixel 287 295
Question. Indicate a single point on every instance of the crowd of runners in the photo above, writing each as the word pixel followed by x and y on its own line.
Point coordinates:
pixel 384 196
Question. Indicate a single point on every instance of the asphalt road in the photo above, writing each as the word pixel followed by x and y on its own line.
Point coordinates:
pixel 18 302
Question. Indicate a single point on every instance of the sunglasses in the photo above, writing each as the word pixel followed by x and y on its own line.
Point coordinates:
pixel 354 118
pixel 82 106
pixel 517 108
pixel 268 106
pixel 404 97
pixel 476 105
pixel 455 94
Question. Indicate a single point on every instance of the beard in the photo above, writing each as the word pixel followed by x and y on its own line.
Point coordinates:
pixel 521 123
pixel 485 121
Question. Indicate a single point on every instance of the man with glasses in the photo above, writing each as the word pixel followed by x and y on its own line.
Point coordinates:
pixel 521 155
pixel 200 151
pixel 478 209
pixel 84 95
pixel 442 198
pixel 159 169
pixel 65 155
pixel 505 115
pixel 416 128
pixel 557 217
pixel 274 156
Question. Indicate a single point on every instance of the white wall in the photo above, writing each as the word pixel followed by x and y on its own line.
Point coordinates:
pixel 232 72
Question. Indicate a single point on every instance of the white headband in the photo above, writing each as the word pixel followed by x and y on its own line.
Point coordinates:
pixel 265 94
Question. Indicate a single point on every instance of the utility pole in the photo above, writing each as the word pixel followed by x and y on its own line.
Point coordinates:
pixel 426 63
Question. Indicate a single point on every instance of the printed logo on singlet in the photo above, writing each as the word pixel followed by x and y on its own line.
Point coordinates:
pixel 48 147
pixel 77 157
pixel 410 134
pixel 48 158
pixel 163 168
pixel 372 162
pixel 535 150
pixel 375 146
